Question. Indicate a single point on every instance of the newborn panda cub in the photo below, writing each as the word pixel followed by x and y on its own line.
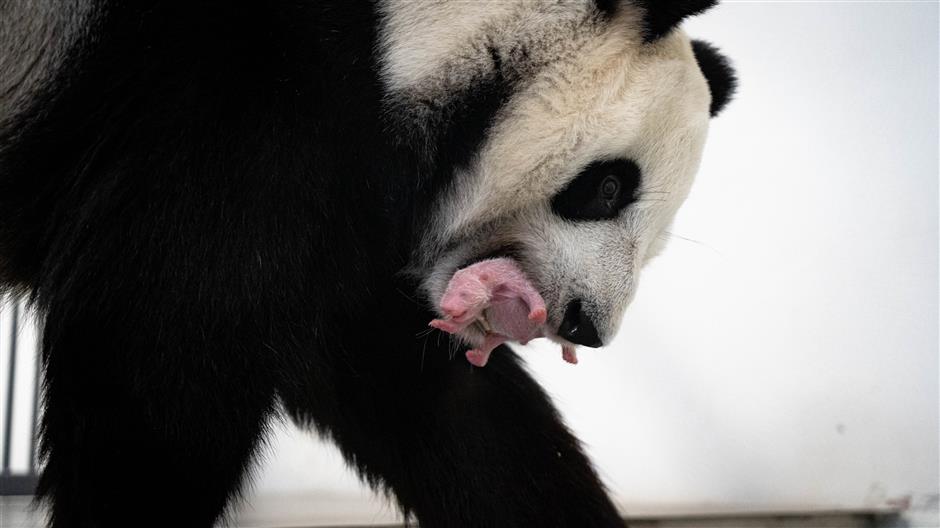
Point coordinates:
pixel 495 295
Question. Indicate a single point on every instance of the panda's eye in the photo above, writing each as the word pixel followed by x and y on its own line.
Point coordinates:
pixel 609 187
pixel 599 192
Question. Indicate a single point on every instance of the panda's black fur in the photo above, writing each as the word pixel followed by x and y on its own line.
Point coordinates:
pixel 208 205
pixel 722 81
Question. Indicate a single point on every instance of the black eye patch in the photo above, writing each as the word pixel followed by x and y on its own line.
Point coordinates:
pixel 600 192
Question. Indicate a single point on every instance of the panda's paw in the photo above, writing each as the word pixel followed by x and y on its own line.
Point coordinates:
pixel 448 325
pixel 569 354
pixel 477 357
pixel 480 356
pixel 538 315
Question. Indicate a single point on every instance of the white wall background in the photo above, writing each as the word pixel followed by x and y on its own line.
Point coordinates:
pixel 787 353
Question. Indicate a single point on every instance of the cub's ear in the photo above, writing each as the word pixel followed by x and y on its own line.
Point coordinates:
pixel 722 81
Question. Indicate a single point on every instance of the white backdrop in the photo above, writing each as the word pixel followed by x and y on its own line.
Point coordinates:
pixel 787 353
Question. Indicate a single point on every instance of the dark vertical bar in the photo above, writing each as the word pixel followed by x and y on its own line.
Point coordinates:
pixel 33 448
pixel 7 433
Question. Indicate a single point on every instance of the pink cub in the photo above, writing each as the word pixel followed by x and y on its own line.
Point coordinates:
pixel 498 295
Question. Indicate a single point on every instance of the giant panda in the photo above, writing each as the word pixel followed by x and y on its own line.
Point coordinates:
pixel 223 212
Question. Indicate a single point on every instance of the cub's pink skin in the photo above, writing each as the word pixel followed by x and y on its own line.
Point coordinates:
pixel 497 295
pixel 472 289
pixel 569 355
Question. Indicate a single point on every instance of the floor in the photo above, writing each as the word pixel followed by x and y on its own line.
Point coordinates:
pixel 320 512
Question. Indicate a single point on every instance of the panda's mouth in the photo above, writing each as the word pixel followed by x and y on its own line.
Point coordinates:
pixel 510 251
pixel 490 300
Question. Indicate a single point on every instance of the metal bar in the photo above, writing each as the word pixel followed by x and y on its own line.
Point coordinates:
pixel 34 438
pixel 11 378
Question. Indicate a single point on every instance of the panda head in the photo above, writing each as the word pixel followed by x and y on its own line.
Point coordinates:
pixel 595 116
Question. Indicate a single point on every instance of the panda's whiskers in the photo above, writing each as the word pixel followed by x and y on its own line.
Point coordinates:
pixel 424 349
pixel 406 296
pixel 651 195
pixel 648 200
pixel 668 235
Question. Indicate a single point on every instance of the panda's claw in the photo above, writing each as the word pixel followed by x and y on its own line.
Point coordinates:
pixel 569 354
pixel 446 325
pixel 477 358
pixel 538 315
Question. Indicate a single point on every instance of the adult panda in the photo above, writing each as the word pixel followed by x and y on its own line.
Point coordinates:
pixel 224 211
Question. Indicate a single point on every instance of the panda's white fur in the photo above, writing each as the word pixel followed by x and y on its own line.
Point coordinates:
pixel 592 91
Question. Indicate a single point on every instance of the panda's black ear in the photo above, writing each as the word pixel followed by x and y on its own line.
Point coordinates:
pixel 661 16
pixel 717 69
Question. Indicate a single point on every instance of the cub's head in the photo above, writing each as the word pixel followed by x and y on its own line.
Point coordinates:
pixel 572 133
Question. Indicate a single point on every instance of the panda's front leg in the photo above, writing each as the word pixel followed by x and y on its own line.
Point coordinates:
pixel 457 445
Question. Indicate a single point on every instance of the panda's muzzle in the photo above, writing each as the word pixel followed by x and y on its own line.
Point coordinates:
pixel 508 251
pixel 578 327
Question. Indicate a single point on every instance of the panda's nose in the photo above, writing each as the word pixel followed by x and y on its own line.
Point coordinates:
pixel 578 327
